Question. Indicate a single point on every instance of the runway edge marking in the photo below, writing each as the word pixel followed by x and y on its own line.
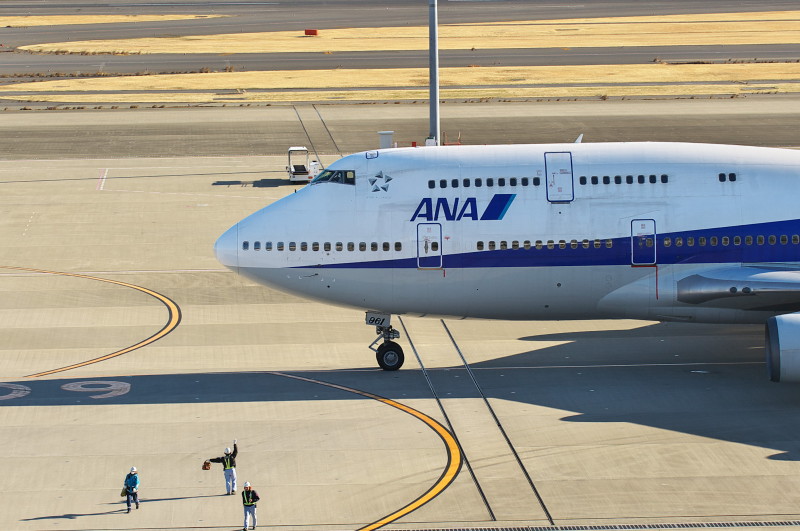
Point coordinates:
pixel 454 459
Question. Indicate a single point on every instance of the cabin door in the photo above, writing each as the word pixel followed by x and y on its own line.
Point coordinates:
pixel 429 246
pixel 558 172
pixel 643 242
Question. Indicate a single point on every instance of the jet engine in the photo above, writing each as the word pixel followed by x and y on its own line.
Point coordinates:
pixel 782 348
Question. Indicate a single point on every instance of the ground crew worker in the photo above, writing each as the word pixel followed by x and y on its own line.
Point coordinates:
pixel 131 486
pixel 249 499
pixel 229 467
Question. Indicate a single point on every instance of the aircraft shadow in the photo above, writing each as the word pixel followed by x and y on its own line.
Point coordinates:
pixel 122 510
pixel 693 381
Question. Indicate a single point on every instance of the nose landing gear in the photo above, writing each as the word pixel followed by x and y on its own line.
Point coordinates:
pixel 389 354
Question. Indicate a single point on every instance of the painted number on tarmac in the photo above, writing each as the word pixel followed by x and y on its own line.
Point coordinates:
pixel 106 388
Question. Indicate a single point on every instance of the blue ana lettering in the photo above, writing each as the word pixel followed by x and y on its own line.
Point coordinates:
pixel 449 209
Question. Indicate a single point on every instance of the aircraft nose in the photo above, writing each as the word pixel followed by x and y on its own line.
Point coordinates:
pixel 227 248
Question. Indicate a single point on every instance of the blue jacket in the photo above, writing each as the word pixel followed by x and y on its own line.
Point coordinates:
pixel 131 482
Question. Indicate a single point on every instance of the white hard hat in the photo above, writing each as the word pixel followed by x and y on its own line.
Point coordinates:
pixel 133 470
pixel 227 450
pixel 247 484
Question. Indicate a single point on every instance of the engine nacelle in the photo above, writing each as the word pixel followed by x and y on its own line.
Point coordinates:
pixel 782 348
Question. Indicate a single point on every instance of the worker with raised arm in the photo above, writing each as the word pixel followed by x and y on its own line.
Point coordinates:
pixel 229 467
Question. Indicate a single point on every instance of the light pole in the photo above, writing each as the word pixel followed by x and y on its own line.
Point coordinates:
pixel 433 46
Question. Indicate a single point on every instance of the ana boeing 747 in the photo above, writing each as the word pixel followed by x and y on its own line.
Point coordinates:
pixel 659 231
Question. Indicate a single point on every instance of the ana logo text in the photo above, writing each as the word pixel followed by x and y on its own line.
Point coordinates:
pixel 455 210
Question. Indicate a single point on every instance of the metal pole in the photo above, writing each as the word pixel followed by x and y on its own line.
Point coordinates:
pixel 433 32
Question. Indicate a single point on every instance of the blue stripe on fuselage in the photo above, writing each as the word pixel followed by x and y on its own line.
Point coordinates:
pixel 498 207
pixel 620 251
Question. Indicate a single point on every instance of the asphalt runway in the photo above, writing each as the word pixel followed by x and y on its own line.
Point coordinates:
pixel 242 17
pixel 124 343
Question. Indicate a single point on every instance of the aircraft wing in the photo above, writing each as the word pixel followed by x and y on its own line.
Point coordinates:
pixel 763 287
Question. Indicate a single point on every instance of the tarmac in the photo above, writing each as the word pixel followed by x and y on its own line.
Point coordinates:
pixel 124 343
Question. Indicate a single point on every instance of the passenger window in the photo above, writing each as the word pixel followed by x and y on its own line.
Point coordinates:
pixel 731 177
pixel 386 246
pixel 351 246
pixel 537 181
pixel 609 243
pixel 315 246
pixel 665 179
pixel 466 183
pixel 480 246
pixel 641 179
pixel 748 240
pixel 443 183
pixel 701 241
pixel 618 179
pixel 501 181
pixel 478 183
pixel 431 184
pixel 653 179
pixel 629 179
pixel 597 244
pixel 772 239
pixel 503 245
pixel 678 241
pixel 398 246
pixel 256 246
pixel 582 180
pixel 573 244
pixel 525 181
pixel 760 239
pixel 551 244
pixel 303 246
pixel 515 245
pixel 362 246
pixel 512 181
pixel 526 245
pixel 267 246
pixel 539 244
pixel 339 246
pixel 726 241
pixel 245 246
pixel 280 246
pixel 737 240
pixel 490 182
pixel 373 246
pixel 327 246
pixel 454 183
pixel 713 241
pixel 594 179
pixel 667 241
pixel 585 244
pixel 562 244
pixel 434 246
pixel 722 177
pixel 606 179
pixel 292 246
pixel 795 239
pixel 784 239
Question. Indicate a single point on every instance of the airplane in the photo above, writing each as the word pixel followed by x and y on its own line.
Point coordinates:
pixel 658 231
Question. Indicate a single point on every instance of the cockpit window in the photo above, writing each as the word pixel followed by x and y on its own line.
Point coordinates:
pixel 336 176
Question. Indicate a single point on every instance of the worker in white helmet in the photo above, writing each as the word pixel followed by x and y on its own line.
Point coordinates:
pixel 229 467
pixel 131 488
pixel 249 499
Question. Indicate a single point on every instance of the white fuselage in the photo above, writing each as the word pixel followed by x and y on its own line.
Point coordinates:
pixel 663 231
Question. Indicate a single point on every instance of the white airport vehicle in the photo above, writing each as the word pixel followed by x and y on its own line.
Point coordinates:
pixel 300 166
pixel 644 230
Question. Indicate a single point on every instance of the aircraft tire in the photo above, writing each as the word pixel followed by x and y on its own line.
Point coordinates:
pixel 390 356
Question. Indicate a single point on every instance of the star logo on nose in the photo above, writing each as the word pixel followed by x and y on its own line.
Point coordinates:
pixel 380 182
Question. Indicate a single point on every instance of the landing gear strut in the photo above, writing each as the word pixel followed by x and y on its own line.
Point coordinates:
pixel 389 354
